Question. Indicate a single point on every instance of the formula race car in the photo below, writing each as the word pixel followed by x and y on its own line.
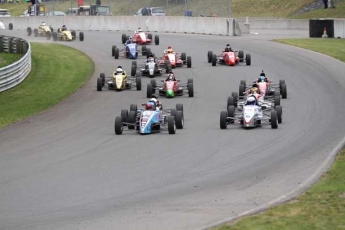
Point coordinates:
pixel 141 38
pixel 266 89
pixel 252 115
pixel 170 88
pixel 130 51
pixel 230 58
pixel 118 81
pixel 42 31
pixel 171 60
pixel 64 34
pixel 150 119
pixel 150 68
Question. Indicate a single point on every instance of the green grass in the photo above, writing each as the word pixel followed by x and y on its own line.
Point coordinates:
pixel 7 59
pixel 239 8
pixel 53 77
pixel 322 207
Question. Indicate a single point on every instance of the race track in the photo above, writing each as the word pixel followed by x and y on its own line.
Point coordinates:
pixel 65 168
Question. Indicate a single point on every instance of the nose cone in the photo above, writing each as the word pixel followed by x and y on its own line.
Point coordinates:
pixel 170 93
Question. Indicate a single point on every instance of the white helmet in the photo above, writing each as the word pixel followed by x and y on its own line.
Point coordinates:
pixel 43 24
pixel 170 77
pixel 140 30
pixel 119 71
pixel 251 100
pixel 154 100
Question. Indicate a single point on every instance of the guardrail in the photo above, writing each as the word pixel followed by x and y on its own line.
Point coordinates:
pixel 14 74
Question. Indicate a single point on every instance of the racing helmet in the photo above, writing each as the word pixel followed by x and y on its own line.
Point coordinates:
pixel 151 59
pixel 262 78
pixel 250 101
pixel 43 24
pixel 170 77
pixel 154 100
pixel 140 30
pixel 153 96
pixel 262 74
pixel 119 71
pixel 149 106
pixel 255 85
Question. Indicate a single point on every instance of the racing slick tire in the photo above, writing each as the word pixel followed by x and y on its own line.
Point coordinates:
pixel 81 36
pixel 190 80
pixel 117 53
pixel 243 82
pixel 10 26
pixel 231 112
pixel 124 115
pixel 189 62
pixel 283 91
pixel 135 63
pixel 280 83
pixel 149 36
pixel 190 90
pixel 183 57
pixel 241 55
pixel 113 50
pixel 118 127
pixel 99 84
pixel 276 100
pixel 235 96
pixel 133 70
pixel 51 29
pixel 230 101
pixel 248 59
pixel 179 121
pixel 277 93
pixel 138 82
pixel 143 50
pixel 29 31
pixel 279 110
pixel 214 60
pixel 49 35
pixel 209 56
pixel 241 90
pixel 223 116
pixel 153 83
pixel 123 38
pixel 156 39
pixel 171 125
pixel 148 52
pixel 73 34
pixel 179 107
pixel 102 76
pixel 133 107
pixel 132 115
pixel 55 37
pixel 36 32
pixel 149 90
pixel 173 112
pixel 274 119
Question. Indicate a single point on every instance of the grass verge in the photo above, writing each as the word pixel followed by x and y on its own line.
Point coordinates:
pixel 7 59
pixel 322 207
pixel 53 77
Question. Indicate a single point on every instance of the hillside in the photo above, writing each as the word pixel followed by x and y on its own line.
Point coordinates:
pixel 239 8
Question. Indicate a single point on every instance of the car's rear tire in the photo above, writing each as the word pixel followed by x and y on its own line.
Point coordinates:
pixel 49 35
pixel 36 32
pixel 132 115
pixel 10 26
pixel 123 38
pixel 241 55
pixel 149 36
pixel 214 60
pixel 138 82
pixel 133 70
pixel 235 96
pixel 209 56
pixel 183 56
pixel 148 52
pixel 190 80
pixel 133 107
pixel 102 76
pixel 117 53
pixel 135 63
pixel 81 36
pixel 55 36
pixel 124 115
pixel 284 91
pixel 118 127
pixel 241 90
pixel 153 83
pixel 243 82
pixel 156 39
pixel 276 100
pixel 149 91
pixel 179 107
pixel 113 50
pixel 230 101
pixel 279 110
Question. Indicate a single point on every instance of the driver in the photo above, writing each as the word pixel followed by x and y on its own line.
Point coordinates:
pixel 228 48
pixel 170 77
pixel 139 30
pixel 254 90
pixel 169 50
pixel 252 100
pixel 64 28
pixel 129 41
pixel 43 24
pixel 263 78
pixel 150 58
pixel 120 71
pixel 157 103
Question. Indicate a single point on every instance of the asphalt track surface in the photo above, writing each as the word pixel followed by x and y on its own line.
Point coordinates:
pixel 66 169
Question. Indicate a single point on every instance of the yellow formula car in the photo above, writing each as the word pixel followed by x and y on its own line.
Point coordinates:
pixel 42 31
pixel 67 35
pixel 118 81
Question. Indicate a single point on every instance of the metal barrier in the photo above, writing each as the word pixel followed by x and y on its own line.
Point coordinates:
pixel 14 74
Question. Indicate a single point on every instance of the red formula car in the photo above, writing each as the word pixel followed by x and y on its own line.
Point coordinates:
pixel 228 57
pixel 141 38
pixel 171 59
